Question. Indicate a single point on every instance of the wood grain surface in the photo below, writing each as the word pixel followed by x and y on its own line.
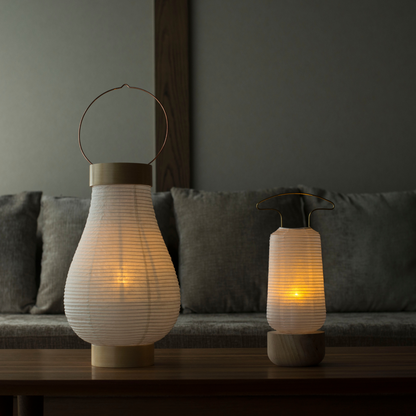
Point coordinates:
pixel 210 372
pixel 296 350
pixel 172 89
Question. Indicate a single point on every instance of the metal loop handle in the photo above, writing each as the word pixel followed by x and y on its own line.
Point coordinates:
pixel 295 193
pixel 118 88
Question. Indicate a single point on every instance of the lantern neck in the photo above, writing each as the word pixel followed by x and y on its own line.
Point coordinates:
pixel 120 173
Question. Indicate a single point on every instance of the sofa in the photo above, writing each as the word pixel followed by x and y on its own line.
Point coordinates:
pixel 218 243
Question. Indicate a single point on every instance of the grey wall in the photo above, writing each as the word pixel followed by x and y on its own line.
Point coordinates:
pixel 316 92
pixel 56 56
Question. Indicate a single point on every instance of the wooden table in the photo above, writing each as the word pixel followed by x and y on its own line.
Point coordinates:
pixel 350 381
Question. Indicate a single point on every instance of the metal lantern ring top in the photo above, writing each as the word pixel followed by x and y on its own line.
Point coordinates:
pixel 119 88
pixel 122 293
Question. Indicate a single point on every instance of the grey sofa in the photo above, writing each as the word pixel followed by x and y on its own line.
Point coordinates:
pixel 218 242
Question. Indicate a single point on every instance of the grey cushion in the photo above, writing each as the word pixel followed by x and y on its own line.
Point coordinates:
pixel 61 224
pixel 18 222
pixel 367 329
pixel 226 330
pixel 163 205
pixel 249 330
pixel 369 250
pixel 38 331
pixel 233 330
pixel 224 247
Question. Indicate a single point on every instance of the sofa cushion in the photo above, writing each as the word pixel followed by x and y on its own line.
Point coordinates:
pixel 224 247
pixel 249 330
pixel 368 329
pixel 38 331
pixel 368 250
pixel 163 205
pixel 18 222
pixel 232 330
pixel 61 223
pixel 215 330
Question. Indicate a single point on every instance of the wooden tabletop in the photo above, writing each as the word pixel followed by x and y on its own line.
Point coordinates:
pixel 216 372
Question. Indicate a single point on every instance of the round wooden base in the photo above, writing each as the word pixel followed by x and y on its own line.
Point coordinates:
pixel 131 356
pixel 296 350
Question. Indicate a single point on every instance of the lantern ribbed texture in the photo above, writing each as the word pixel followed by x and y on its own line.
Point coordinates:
pixel 296 298
pixel 121 288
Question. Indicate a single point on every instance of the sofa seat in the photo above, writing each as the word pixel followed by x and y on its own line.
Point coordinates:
pixel 366 329
pixel 237 330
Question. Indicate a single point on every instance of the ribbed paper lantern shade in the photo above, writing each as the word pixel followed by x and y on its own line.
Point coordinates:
pixel 122 289
pixel 295 297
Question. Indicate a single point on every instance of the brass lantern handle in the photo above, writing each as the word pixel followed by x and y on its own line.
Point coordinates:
pixel 295 193
pixel 118 88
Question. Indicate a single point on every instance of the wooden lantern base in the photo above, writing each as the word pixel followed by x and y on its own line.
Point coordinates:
pixel 131 356
pixel 296 350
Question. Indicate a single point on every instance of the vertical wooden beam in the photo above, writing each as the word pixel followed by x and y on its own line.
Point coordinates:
pixel 172 89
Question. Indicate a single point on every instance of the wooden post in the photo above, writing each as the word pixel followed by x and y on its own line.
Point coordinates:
pixel 172 89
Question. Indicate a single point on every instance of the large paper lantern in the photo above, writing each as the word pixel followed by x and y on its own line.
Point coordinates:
pixel 295 297
pixel 122 293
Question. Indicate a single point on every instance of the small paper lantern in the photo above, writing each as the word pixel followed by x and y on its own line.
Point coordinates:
pixel 122 293
pixel 295 298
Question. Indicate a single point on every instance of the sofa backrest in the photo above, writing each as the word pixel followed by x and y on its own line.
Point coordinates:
pixel 219 244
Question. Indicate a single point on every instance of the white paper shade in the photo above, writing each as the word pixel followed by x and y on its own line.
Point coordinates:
pixel 122 288
pixel 296 298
